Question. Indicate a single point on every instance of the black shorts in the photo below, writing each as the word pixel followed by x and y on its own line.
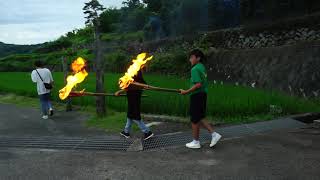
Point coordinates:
pixel 134 103
pixel 198 107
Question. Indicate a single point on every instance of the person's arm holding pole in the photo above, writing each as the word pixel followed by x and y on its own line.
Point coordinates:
pixel 192 89
pixel 118 93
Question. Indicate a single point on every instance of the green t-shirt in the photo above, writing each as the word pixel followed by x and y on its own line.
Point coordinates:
pixel 199 75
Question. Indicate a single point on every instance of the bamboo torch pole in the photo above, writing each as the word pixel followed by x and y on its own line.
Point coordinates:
pixel 154 88
pixel 79 93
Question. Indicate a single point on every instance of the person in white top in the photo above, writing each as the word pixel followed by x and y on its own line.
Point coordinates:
pixel 40 76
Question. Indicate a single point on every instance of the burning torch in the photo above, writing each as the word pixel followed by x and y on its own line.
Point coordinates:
pixel 79 75
pixel 127 79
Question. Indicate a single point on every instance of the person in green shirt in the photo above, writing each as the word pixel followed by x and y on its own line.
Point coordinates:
pixel 198 100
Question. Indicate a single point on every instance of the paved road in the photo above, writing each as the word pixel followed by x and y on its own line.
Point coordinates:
pixel 276 155
pixel 290 154
pixel 24 121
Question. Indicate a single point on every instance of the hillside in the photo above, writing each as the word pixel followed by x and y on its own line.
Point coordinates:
pixel 8 49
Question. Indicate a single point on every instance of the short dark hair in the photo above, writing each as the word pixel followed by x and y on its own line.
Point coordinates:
pixel 38 63
pixel 198 53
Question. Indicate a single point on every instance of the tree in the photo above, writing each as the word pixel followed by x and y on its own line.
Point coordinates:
pixel 92 10
pixel 109 18
pixel 134 16
pixel 154 5
pixel 136 19
pixel 131 4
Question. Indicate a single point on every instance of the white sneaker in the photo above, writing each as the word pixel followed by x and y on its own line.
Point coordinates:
pixel 193 145
pixel 215 138
pixel 44 117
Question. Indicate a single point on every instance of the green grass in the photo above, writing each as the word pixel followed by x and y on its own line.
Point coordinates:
pixel 225 102
pixel 114 122
pixel 130 36
pixel 19 100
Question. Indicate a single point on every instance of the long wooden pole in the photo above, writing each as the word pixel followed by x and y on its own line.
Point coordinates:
pixel 154 88
pixel 79 94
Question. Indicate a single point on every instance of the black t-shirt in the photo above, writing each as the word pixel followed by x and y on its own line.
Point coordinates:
pixel 137 78
pixel 134 98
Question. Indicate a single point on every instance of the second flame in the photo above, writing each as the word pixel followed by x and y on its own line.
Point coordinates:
pixel 79 74
pixel 127 79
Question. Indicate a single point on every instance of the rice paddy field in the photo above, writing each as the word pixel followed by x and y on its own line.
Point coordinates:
pixel 223 100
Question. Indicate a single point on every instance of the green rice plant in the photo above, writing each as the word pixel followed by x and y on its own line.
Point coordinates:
pixel 223 100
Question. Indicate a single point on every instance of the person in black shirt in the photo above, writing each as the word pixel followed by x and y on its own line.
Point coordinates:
pixel 134 112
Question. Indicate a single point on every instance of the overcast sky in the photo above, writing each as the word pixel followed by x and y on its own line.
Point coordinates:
pixel 38 21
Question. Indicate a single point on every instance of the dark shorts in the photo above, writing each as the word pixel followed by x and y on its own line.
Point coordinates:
pixel 198 107
pixel 134 103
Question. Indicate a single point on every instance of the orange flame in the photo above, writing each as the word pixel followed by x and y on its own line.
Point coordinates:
pixel 78 68
pixel 127 79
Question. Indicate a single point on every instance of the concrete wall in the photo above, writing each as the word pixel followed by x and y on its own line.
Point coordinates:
pixel 292 68
pixel 284 55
